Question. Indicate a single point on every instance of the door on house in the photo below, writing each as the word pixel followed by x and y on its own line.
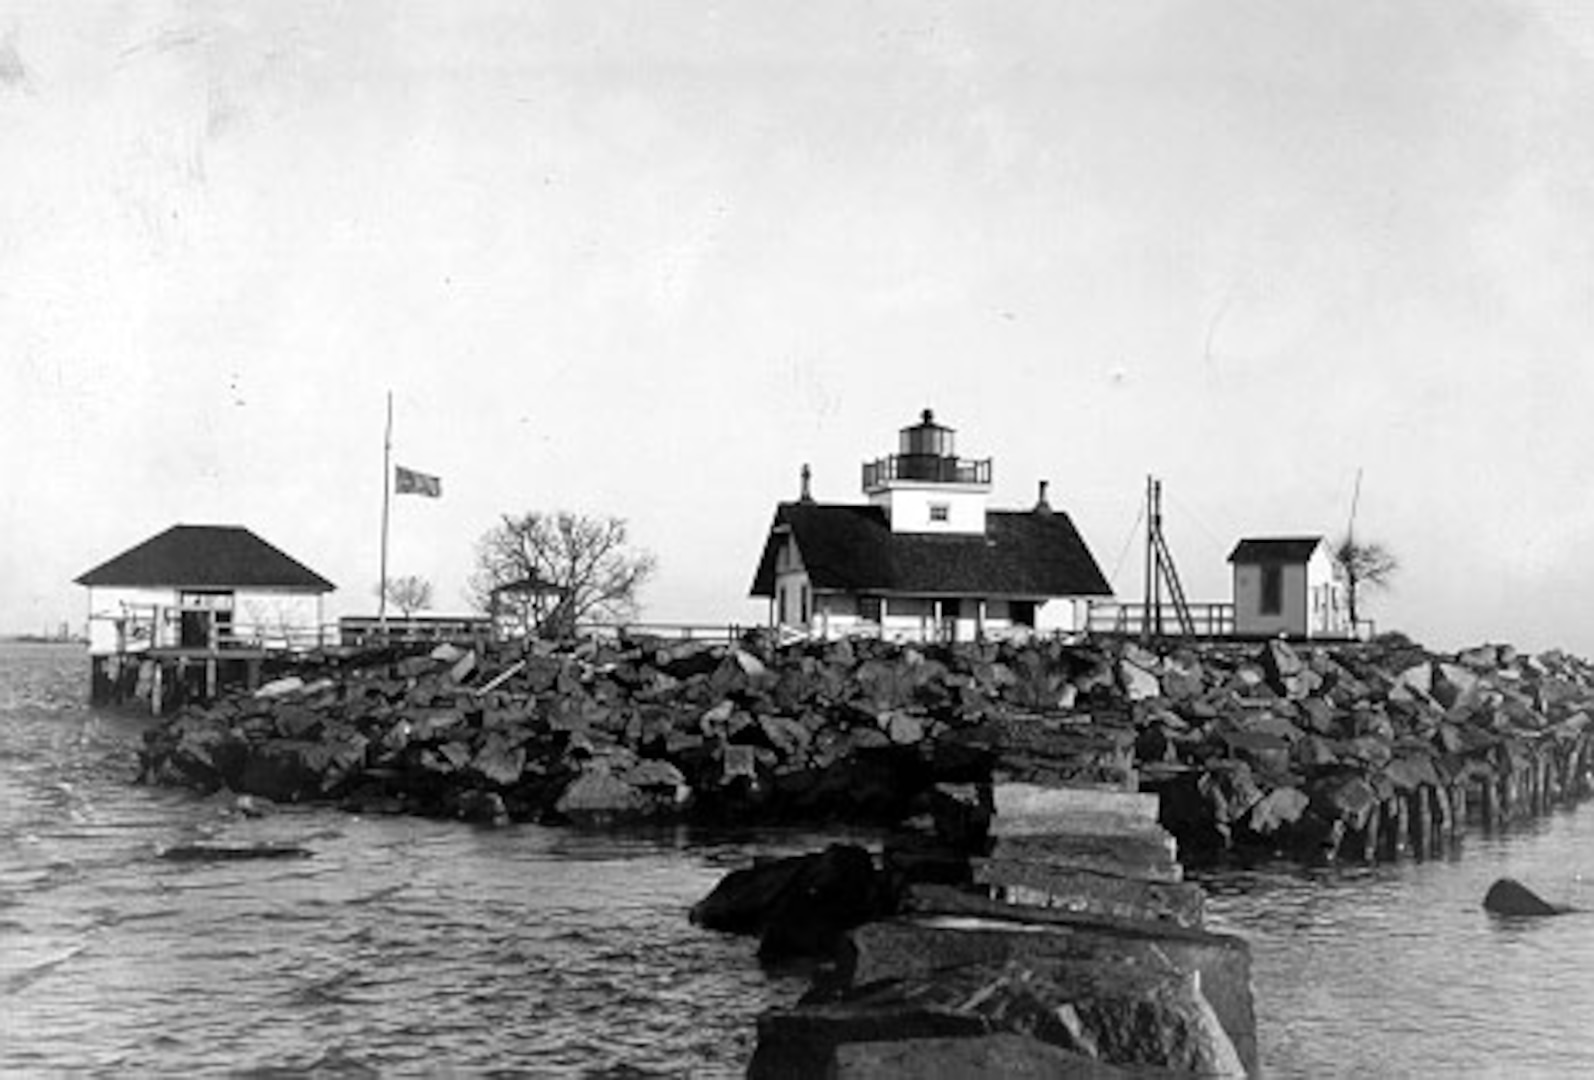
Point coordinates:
pixel 204 617
pixel 194 630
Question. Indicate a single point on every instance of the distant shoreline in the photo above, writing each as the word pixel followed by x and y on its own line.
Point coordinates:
pixel 40 639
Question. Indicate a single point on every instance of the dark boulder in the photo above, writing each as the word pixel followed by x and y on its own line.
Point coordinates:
pixel 1510 897
pixel 801 906
pixel 1000 1054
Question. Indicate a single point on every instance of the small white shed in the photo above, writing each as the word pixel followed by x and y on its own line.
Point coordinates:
pixel 1288 585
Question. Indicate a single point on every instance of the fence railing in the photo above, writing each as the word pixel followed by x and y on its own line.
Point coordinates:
pixel 1207 620
pixel 933 467
pixel 359 630
pixel 678 631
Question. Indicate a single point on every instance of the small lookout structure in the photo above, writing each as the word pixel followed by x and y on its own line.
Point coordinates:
pixel 1288 585
pixel 196 598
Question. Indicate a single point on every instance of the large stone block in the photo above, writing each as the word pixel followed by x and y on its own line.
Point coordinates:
pixel 905 948
pixel 1018 806
pixel 1089 892
pixel 1148 855
pixel 1131 1014
pixel 1005 1054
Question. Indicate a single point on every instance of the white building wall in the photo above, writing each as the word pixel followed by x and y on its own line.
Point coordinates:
pixel 905 618
pixel 1064 615
pixel 1329 611
pixel 277 618
pixel 792 586
pixel 123 618
pixel 909 508
pixel 131 608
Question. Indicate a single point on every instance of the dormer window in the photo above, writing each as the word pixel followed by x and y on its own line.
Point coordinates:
pixel 940 512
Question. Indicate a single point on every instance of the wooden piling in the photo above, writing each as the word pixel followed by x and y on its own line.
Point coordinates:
pixel 1370 836
pixel 1489 802
pixel 1420 820
pixel 1442 823
pixel 1396 827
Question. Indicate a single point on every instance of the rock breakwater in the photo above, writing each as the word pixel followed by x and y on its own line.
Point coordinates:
pixel 1369 751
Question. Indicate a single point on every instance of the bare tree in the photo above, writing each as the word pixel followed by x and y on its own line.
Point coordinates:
pixel 1363 563
pixel 408 593
pixel 551 571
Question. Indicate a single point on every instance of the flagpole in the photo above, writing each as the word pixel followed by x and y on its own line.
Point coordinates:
pixel 387 484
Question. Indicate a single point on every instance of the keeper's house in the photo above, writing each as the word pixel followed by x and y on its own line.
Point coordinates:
pixel 1288 585
pixel 203 587
pixel 924 559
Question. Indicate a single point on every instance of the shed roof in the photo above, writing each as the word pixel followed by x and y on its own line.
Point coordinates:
pixel 206 557
pixel 851 548
pixel 1275 549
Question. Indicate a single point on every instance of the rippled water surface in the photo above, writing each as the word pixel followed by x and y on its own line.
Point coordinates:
pixel 407 947
pixel 401 947
pixel 1398 971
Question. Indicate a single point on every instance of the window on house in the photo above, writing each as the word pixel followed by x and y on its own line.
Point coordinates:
pixel 1272 590
pixel 870 608
pixel 1022 612
pixel 803 601
pixel 780 604
pixel 940 512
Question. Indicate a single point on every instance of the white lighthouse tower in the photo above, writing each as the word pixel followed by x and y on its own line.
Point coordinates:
pixel 925 487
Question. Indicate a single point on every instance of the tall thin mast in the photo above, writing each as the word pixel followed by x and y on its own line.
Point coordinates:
pixel 387 485
pixel 1146 631
pixel 1356 497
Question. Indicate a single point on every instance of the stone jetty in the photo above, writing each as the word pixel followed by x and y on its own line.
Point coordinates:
pixel 1053 936
pixel 1352 752
pixel 1032 916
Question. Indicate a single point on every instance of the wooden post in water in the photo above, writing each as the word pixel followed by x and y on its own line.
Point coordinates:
pixel 1370 837
pixel 1439 799
pixel 1490 802
pixel 1458 809
pixel 1396 828
pixel 1421 821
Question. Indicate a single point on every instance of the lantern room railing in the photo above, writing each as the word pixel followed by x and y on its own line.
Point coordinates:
pixel 930 467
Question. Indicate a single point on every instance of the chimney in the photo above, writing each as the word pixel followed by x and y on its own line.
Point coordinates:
pixel 807 474
pixel 1041 505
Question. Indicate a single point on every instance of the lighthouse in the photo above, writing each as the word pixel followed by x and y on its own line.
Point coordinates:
pixel 924 557
pixel 925 487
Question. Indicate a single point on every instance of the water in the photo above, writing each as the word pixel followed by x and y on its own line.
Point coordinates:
pixel 1397 971
pixel 408 947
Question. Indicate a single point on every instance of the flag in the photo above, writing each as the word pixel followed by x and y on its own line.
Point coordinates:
pixel 410 482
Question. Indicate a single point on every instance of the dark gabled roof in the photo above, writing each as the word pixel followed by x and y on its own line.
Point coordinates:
pixel 851 548
pixel 1275 549
pixel 206 557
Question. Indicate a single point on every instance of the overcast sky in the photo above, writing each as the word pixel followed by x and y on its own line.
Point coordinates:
pixel 648 258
